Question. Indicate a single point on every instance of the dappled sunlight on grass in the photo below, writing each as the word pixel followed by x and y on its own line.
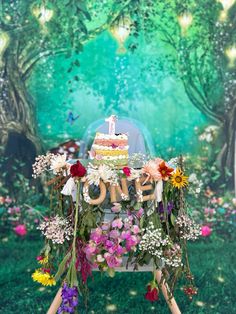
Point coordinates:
pixel 111 308
pixel 220 279
pixel 200 303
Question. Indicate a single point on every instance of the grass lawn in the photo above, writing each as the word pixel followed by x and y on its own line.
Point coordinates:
pixel 213 265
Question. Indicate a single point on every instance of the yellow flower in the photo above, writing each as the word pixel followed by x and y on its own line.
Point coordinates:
pixel 44 278
pixel 43 261
pixel 178 180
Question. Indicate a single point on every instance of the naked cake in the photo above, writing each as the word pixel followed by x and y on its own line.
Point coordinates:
pixel 110 149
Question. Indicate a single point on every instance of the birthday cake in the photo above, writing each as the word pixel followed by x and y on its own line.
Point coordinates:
pixel 112 148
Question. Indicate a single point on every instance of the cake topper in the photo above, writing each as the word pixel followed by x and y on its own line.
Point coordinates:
pixel 112 122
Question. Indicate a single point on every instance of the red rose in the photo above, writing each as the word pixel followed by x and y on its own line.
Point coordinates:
pixel 152 294
pixel 77 170
pixel 127 171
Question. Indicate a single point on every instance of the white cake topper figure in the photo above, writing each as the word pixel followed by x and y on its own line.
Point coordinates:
pixel 112 122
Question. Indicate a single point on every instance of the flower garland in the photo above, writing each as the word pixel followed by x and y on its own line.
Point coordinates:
pixel 149 224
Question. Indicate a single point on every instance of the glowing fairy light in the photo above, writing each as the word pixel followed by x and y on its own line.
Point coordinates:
pixel 231 55
pixel 43 14
pixel 185 20
pixel 4 41
pixel 227 4
pixel 120 31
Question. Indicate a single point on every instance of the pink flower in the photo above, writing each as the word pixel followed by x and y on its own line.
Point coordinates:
pixel 112 261
pixel 114 234
pixel 20 230
pixel 139 213
pixel 90 250
pixel 117 223
pixel 116 208
pixel 125 234
pixel 135 229
pixel 97 236
pixel 11 210
pixel 151 169
pixel 209 210
pixel 8 200
pixel 131 242
pixel 206 231
pixel 120 250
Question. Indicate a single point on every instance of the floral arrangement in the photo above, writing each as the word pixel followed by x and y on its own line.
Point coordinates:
pixel 216 214
pixel 149 224
pixel 20 219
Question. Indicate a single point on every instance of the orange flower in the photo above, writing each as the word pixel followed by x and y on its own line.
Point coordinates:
pixel 165 171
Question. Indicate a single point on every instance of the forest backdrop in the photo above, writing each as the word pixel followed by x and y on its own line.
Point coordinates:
pixel 170 66
pixel 177 75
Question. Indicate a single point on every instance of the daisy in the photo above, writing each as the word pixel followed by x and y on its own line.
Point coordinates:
pixel 58 163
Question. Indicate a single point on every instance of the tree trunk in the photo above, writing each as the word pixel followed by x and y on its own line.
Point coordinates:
pixel 226 157
pixel 18 139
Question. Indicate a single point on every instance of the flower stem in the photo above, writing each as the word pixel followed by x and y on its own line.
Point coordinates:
pixel 76 219
pixel 72 268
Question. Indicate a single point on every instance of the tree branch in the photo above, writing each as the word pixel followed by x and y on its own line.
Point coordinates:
pixel 29 63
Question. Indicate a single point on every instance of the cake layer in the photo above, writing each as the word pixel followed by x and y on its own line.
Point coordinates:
pixel 111 148
pixel 103 136
pixel 112 163
pixel 103 152
pixel 114 158
pixel 111 143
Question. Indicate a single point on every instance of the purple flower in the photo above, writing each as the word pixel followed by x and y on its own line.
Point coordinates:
pixel 69 299
pixel 167 210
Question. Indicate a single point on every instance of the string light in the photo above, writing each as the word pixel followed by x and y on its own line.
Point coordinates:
pixel 4 41
pixel 185 20
pixel 43 14
pixel 120 31
pixel 231 54
pixel 227 4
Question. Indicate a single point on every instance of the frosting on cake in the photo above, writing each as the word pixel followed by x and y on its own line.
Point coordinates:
pixel 110 149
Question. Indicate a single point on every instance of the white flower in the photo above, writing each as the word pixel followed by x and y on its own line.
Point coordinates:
pixel 57 163
pixel 135 174
pixel 103 172
pixel 209 133
pixel 107 174
pixel 192 177
pixel 93 176
pixel 198 190
pixel 100 259
pixel 209 137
